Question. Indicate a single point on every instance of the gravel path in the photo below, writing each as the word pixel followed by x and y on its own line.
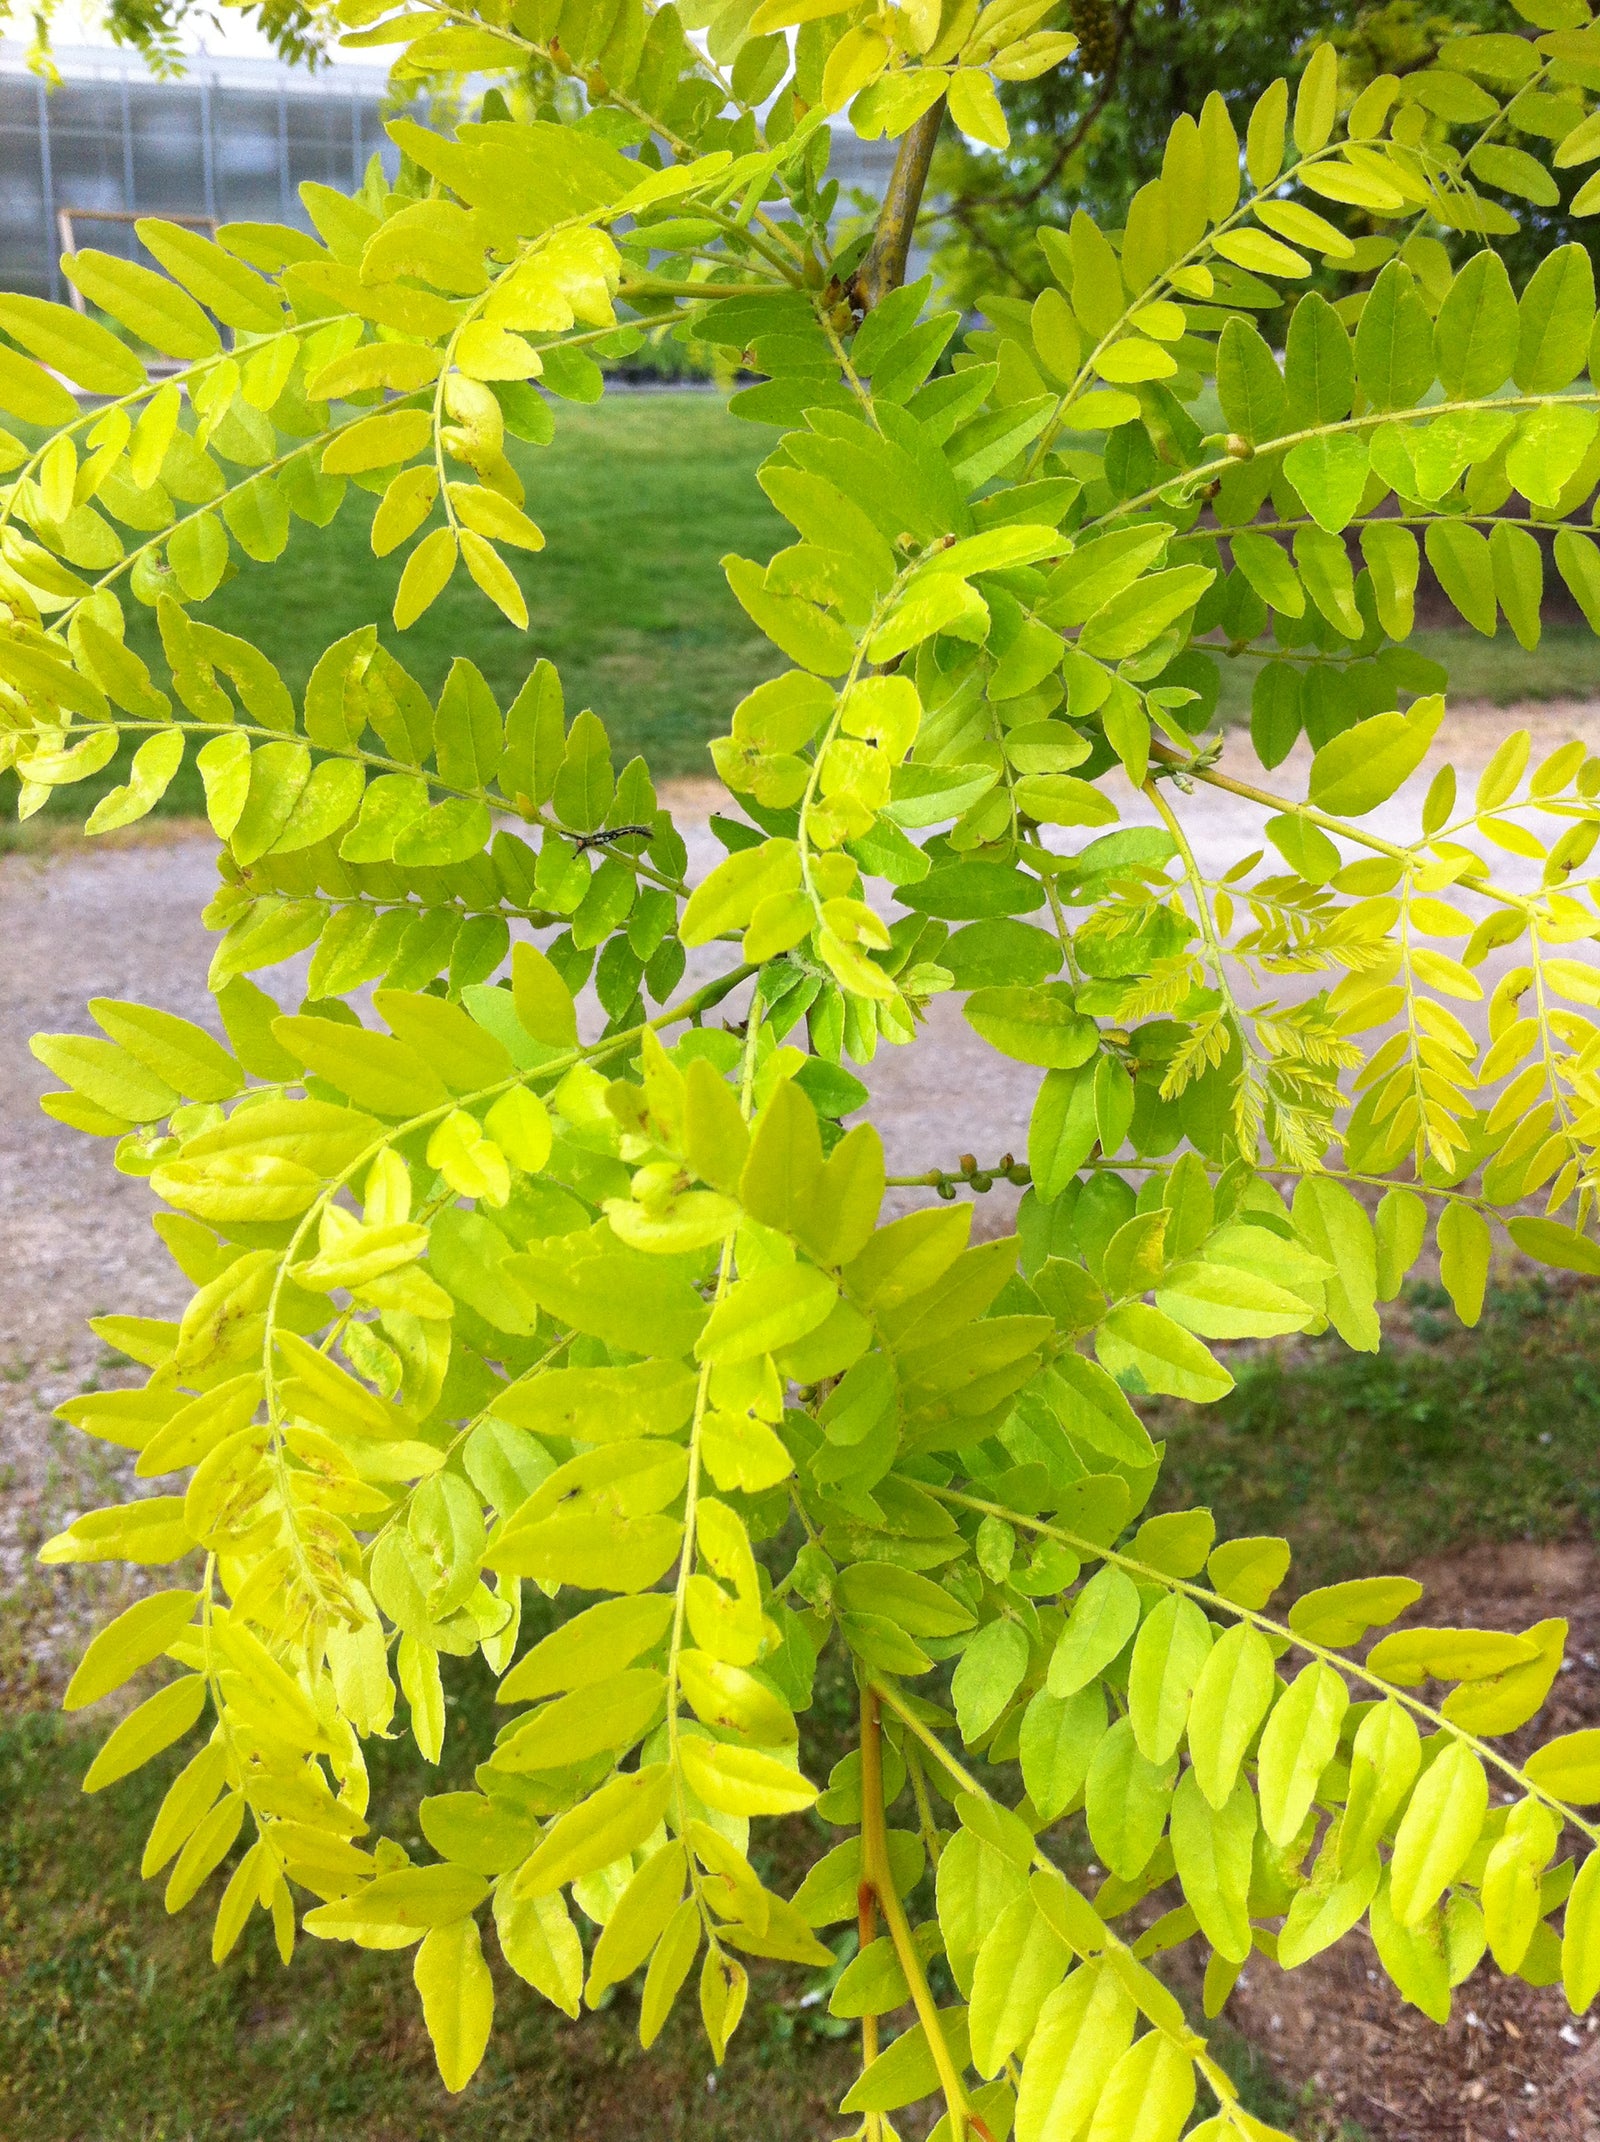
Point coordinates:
pixel 121 919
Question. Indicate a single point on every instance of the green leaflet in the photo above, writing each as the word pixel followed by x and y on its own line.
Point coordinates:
pixel 1319 365
pixel 829 1891
pixel 1167 1661
pixel 1249 384
pixel 1475 333
pixel 872 1983
pixel 1211 1848
pixel 1394 344
pixel 640 1916
pixel 1460 558
pixel 1555 315
pixel 1414 1959
pixel 1297 1746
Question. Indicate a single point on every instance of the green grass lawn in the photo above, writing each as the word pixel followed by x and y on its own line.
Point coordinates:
pixel 640 497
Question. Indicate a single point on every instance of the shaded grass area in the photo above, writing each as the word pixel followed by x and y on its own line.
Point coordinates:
pixel 639 499
pixel 1368 1462
pixel 115 2027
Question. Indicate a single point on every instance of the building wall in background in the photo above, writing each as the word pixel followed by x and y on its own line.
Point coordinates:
pixel 232 139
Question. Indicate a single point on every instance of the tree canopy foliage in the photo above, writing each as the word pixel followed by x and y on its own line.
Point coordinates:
pixel 1091 134
pixel 299 30
pixel 525 1252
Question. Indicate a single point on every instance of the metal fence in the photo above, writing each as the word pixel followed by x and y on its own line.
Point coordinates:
pixel 230 141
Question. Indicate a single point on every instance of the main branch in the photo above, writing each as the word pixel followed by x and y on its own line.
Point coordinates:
pixel 884 268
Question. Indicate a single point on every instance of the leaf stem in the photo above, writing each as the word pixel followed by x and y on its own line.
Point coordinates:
pixel 1369 420
pixel 691 1493
pixel 1145 1573
pixel 877 1873
pixel 382 764
pixel 1265 797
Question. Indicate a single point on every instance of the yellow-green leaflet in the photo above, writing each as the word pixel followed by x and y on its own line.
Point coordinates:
pixel 744 1781
pixel 1211 1848
pixel 1168 1659
pixel 1022 1960
pixel 669 1967
pixel 398 1908
pixel 907 2069
pixel 1150 2091
pixel 1440 1827
pixel 1104 1615
pixel 1580 1939
pixel 587 1648
pixel 140 1634
pixel 457 1999
pixel 1084 2028
pixel 637 1922
pixel 611 1713
pixel 1231 1697
pixel 156 1724
pixel 1511 1884
pixel 540 1942
pixel 1297 1746
pixel 617 1818
pixel 1384 1760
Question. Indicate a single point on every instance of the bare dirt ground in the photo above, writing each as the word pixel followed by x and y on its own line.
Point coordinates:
pixel 121 919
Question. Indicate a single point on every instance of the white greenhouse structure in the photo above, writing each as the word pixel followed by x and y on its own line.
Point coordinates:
pixel 230 140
